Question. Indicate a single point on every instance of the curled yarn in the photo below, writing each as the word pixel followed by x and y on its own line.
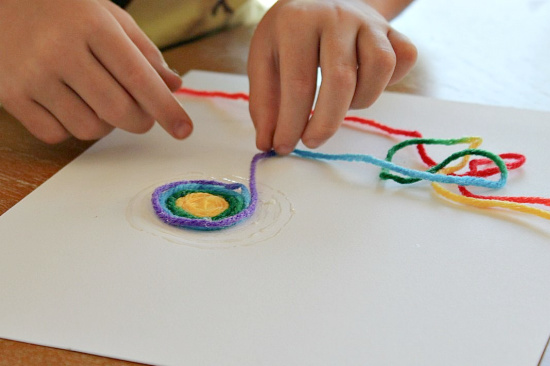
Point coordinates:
pixel 412 175
pixel 242 201
pixel 469 180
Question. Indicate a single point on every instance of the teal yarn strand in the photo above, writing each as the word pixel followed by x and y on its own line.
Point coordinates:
pixel 417 175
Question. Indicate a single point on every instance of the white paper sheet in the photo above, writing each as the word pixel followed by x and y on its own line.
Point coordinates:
pixel 336 268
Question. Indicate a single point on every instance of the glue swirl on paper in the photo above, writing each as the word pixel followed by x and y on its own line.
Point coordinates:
pixel 214 205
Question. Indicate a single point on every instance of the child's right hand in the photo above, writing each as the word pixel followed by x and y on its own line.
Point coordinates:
pixel 359 54
pixel 83 68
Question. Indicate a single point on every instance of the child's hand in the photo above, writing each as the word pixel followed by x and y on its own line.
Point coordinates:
pixel 357 50
pixel 82 68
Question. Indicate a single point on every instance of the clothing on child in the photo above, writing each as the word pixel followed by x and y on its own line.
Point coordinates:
pixel 168 22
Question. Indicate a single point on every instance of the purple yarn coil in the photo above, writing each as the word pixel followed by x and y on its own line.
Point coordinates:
pixel 159 197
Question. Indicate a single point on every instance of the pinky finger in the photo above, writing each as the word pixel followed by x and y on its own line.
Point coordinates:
pixel 376 60
pixel 405 54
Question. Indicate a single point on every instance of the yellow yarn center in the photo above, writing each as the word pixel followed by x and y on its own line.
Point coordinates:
pixel 202 204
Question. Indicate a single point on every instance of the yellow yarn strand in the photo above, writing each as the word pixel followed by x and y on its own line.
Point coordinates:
pixel 481 203
pixel 475 142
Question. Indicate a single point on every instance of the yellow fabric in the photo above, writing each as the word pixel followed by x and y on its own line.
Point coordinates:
pixel 171 21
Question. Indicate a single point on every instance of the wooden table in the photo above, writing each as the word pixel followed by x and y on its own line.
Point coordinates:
pixel 488 52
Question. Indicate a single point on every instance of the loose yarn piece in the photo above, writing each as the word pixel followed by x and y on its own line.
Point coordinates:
pixel 412 175
pixel 242 201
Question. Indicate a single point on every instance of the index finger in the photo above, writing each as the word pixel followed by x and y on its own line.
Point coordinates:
pixel 122 58
pixel 298 75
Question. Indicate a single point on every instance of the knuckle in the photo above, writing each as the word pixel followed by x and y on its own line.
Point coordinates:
pixel 144 125
pixel 90 130
pixel 344 76
pixel 342 15
pixel 127 115
pixel 123 16
pixel 136 75
pixel 120 111
pixel 96 20
pixel 154 56
pixel 290 13
pixel 291 20
pixel 53 136
pixel 407 53
pixel 385 61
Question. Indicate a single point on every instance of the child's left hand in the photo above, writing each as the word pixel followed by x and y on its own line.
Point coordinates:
pixel 359 54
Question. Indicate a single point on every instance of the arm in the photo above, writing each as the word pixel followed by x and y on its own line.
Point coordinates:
pixel 358 52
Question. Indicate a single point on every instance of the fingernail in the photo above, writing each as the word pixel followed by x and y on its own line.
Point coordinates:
pixel 182 130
